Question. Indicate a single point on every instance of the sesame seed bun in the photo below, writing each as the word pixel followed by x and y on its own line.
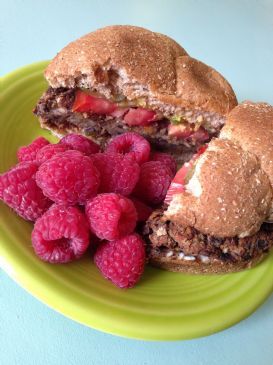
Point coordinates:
pixel 251 126
pixel 228 195
pixel 136 62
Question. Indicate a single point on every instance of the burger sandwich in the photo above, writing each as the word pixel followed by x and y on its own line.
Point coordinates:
pixel 126 78
pixel 218 212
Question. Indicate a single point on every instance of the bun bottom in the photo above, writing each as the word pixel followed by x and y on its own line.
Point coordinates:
pixel 199 268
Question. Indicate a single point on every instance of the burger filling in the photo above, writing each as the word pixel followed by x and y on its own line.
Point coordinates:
pixel 87 112
pixel 173 241
pixel 170 240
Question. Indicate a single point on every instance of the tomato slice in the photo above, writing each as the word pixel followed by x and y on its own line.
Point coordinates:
pixel 187 132
pixel 179 182
pixel 88 103
pixel 180 131
pixel 139 116
pixel 201 150
pixel 201 135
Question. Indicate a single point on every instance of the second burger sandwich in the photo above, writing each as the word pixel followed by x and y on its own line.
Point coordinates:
pixel 219 213
pixel 126 78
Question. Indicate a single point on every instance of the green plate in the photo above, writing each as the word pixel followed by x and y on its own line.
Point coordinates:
pixel 163 306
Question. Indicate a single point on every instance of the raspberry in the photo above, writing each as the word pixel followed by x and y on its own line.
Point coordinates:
pixel 111 216
pixel 28 153
pixel 122 261
pixel 60 235
pixel 153 183
pixel 119 173
pixel 130 143
pixel 166 159
pixel 18 189
pixel 143 210
pixel 69 177
pixel 80 143
pixel 49 151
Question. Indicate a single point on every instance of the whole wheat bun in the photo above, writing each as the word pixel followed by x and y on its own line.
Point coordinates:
pixel 137 62
pixel 199 268
pixel 228 195
pixel 251 126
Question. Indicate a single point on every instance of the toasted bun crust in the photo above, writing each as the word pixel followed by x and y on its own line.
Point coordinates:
pixel 251 126
pixel 200 86
pixel 146 57
pixel 197 267
pixel 136 62
pixel 228 195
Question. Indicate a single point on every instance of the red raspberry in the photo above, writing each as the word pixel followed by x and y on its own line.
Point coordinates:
pixel 18 189
pixel 111 216
pixel 130 143
pixel 60 235
pixel 28 153
pixel 143 210
pixel 119 173
pixel 122 261
pixel 153 183
pixel 80 143
pixel 49 151
pixel 69 177
pixel 165 158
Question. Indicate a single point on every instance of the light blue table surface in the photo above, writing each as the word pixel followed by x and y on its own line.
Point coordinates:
pixel 235 37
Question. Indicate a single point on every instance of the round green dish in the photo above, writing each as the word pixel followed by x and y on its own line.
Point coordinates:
pixel 163 306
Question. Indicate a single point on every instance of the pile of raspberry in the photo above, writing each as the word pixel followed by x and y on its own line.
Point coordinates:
pixel 80 197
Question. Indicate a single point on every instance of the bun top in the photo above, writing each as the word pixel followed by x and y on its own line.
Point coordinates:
pixel 136 62
pixel 251 126
pixel 228 195
pixel 200 86
pixel 146 57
